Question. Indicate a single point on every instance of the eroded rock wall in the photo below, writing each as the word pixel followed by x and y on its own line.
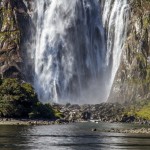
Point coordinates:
pixel 132 81
pixel 14 31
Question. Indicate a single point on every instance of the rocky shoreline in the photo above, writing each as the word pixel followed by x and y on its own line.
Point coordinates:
pixel 98 113
pixel 103 112
pixel 29 122
pixel 131 131
pixel 70 113
pixel 106 112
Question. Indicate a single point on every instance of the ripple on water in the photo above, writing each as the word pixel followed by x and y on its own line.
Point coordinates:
pixel 70 137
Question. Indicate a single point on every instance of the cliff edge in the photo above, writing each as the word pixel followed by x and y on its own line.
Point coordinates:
pixel 132 82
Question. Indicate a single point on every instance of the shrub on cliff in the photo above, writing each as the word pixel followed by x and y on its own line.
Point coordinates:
pixel 18 99
pixel 42 111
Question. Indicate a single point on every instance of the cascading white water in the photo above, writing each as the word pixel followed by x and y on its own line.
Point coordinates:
pixel 73 51
pixel 115 20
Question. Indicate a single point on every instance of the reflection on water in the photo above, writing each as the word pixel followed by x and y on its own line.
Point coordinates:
pixel 70 137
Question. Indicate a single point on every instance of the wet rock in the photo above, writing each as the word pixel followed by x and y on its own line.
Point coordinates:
pixel 128 119
pixel 86 115
pixel 94 129
pixel 132 79
pixel 101 112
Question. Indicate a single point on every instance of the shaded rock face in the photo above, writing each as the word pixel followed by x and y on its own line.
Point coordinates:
pixel 132 81
pixel 14 30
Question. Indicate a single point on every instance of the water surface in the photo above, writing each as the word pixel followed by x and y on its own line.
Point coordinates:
pixel 76 136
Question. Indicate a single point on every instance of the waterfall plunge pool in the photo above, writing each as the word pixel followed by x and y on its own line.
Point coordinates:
pixel 77 136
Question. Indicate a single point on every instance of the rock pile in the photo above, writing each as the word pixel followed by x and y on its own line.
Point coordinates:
pixel 102 112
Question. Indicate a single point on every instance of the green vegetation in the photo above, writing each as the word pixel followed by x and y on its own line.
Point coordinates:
pixel 58 114
pixel 18 100
pixel 140 109
pixel 42 111
pixel 144 112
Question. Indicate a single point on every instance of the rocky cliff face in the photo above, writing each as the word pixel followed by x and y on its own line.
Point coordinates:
pixel 132 81
pixel 14 30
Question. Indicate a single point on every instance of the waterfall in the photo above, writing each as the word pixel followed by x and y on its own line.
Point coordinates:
pixel 78 48
pixel 115 20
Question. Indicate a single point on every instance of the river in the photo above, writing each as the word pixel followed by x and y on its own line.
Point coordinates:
pixel 77 136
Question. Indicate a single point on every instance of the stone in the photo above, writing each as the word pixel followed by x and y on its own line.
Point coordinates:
pixel 94 129
pixel 128 119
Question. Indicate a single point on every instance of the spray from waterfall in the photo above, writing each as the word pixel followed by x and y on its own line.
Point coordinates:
pixel 78 48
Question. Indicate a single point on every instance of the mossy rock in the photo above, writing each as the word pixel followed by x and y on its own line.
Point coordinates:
pixel 146 21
